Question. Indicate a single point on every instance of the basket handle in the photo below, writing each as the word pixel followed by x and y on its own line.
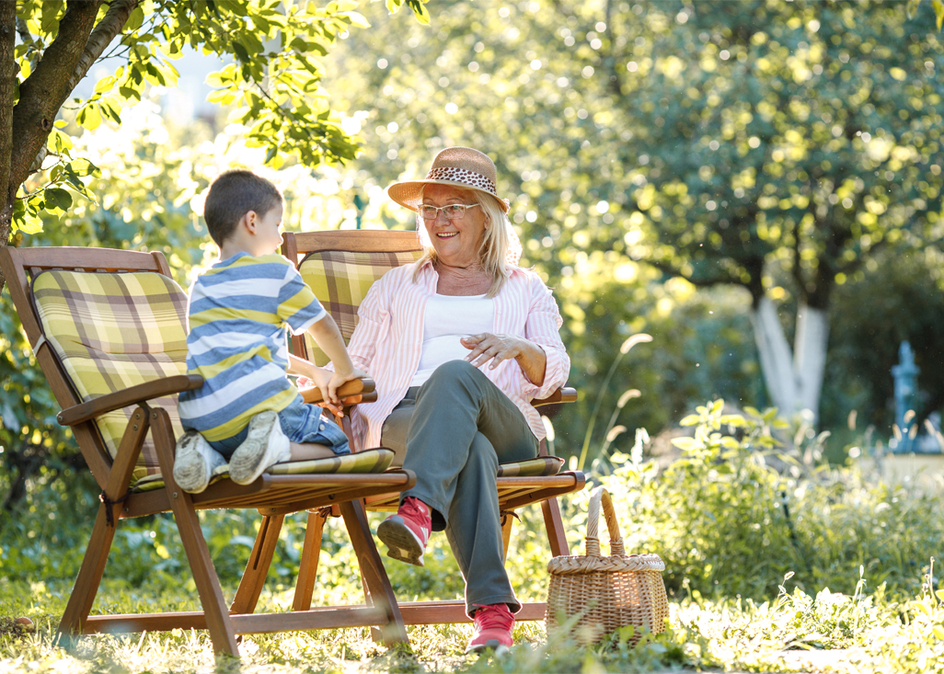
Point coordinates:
pixel 598 496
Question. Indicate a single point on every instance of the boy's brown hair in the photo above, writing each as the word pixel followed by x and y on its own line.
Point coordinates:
pixel 232 195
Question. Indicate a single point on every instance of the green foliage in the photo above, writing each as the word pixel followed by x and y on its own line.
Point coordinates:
pixel 736 512
pixel 919 646
pixel 30 438
pixel 938 6
pixel 898 298
pixel 804 134
pixel 272 54
pixel 782 147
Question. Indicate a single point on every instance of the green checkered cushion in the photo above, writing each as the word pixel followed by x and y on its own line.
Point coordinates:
pixel 112 331
pixel 539 467
pixel 340 280
pixel 370 461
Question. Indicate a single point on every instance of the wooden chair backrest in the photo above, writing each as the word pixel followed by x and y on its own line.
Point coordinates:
pixel 21 267
pixel 340 267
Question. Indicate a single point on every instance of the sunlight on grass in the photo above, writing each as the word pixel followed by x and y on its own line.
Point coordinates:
pixel 866 633
pixel 807 568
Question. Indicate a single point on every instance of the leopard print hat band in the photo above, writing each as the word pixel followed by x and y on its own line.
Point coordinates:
pixel 459 166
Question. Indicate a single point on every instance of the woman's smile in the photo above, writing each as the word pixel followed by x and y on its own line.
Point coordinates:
pixel 457 242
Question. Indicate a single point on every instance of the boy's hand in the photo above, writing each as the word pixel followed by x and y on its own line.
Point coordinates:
pixel 329 382
pixel 337 379
pixel 322 379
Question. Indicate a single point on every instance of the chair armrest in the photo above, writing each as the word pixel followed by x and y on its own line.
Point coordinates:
pixel 356 387
pixel 565 394
pixel 158 388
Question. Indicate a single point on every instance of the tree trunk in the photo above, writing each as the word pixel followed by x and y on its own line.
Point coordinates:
pixel 7 89
pixel 776 360
pixel 794 379
pixel 809 349
pixel 47 88
pixel 79 43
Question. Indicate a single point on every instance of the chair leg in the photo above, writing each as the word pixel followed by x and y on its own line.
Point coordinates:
pixel 254 577
pixel 373 573
pixel 103 533
pixel 188 525
pixel 308 568
pixel 555 527
pixel 508 520
pixel 89 578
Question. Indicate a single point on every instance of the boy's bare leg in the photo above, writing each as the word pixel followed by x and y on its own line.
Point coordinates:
pixel 310 451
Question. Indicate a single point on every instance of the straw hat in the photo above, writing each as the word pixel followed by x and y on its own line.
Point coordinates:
pixel 459 166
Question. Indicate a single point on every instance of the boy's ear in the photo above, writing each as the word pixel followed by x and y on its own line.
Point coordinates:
pixel 249 221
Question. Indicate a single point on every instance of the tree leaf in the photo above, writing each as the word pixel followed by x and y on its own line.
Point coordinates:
pixel 240 51
pixel 58 198
pixel 89 117
pixel 357 19
pixel 105 84
pixel 419 11
pixel 687 444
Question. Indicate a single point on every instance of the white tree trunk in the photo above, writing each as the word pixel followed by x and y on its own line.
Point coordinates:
pixel 794 378
pixel 809 356
pixel 776 359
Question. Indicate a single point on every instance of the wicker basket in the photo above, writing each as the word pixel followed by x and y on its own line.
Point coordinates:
pixel 601 593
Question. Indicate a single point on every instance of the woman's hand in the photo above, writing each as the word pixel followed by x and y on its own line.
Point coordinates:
pixel 495 349
pixel 487 347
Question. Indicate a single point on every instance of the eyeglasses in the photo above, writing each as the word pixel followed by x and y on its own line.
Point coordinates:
pixel 451 211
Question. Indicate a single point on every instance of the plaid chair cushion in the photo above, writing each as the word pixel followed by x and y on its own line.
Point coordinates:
pixel 112 331
pixel 539 467
pixel 370 461
pixel 340 280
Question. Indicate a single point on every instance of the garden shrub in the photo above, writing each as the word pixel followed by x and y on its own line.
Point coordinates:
pixel 728 523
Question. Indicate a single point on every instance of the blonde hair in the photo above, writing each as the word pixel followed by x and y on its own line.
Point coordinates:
pixel 498 243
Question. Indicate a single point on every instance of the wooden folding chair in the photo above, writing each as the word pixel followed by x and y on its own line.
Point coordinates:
pixel 108 328
pixel 340 266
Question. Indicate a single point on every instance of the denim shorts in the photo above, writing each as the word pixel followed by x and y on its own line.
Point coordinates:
pixel 302 423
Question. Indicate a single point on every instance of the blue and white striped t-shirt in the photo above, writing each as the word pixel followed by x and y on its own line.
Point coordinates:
pixel 240 312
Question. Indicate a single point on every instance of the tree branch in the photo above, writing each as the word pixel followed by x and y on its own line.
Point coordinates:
pixel 701 282
pixel 616 81
pixel 46 89
pixel 111 24
pixel 67 60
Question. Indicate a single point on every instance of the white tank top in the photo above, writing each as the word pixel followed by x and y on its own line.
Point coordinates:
pixel 449 318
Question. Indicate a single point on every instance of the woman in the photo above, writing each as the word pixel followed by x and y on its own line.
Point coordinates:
pixel 458 344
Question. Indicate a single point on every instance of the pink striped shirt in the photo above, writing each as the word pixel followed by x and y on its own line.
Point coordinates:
pixel 389 338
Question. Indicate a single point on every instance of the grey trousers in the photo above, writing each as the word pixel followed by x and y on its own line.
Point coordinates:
pixel 453 431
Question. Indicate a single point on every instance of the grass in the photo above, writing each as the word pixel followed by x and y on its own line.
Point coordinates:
pixel 794 632
pixel 803 568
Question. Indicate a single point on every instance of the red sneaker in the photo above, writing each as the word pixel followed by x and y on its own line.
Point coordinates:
pixel 493 625
pixel 407 532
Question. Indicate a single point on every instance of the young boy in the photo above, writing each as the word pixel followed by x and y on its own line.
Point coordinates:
pixel 248 411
